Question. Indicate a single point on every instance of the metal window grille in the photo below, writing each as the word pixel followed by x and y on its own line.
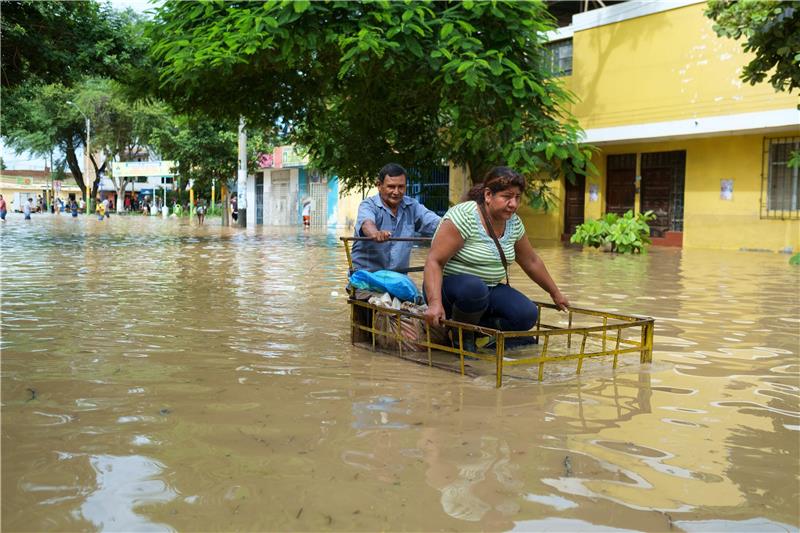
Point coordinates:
pixel 561 57
pixel 431 187
pixel 780 183
pixel 319 205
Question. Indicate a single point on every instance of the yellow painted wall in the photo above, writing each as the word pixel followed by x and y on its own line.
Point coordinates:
pixel 709 221
pixel 347 207
pixel 459 183
pixel 666 66
pixel 8 190
pixel 541 225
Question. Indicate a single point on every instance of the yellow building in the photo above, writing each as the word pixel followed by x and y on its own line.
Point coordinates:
pixel 17 186
pixel 678 132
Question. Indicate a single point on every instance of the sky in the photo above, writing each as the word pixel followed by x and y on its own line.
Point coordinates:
pixel 14 161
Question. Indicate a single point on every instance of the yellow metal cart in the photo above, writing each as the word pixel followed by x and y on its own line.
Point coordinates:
pixel 577 335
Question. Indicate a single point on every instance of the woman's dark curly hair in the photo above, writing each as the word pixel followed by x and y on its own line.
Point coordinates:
pixel 496 180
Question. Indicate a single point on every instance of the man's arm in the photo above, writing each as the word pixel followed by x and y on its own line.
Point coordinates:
pixel 369 229
pixel 365 222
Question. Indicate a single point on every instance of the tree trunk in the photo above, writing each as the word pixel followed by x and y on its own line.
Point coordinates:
pixel 97 172
pixel 74 167
pixel 121 196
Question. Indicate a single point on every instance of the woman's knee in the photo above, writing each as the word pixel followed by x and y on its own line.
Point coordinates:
pixel 524 317
pixel 518 312
pixel 466 290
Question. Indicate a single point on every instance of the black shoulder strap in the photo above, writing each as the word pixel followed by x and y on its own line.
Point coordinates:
pixel 494 238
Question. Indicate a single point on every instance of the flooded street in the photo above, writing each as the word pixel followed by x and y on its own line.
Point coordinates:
pixel 157 375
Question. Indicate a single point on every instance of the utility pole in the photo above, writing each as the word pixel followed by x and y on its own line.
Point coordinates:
pixel 241 182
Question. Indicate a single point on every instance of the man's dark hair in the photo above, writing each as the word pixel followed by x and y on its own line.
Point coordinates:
pixel 391 170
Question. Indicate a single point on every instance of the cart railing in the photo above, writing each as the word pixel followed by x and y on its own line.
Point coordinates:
pixel 607 334
pixel 617 335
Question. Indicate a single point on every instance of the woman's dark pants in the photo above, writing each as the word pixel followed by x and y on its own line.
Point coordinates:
pixel 499 307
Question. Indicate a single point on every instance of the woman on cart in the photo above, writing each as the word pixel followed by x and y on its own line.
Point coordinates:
pixel 469 259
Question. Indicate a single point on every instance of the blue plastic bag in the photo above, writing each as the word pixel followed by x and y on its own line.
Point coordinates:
pixel 394 283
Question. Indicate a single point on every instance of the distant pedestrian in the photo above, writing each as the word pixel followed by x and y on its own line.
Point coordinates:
pixel 81 205
pixel 27 208
pixel 127 203
pixel 3 208
pixel 107 207
pixel 201 211
pixel 73 207
pixel 234 208
pixel 100 210
pixel 307 213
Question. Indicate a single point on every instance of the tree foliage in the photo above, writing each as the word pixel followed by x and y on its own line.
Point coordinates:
pixel 38 119
pixel 63 41
pixel 206 149
pixel 51 54
pixel 363 83
pixel 772 33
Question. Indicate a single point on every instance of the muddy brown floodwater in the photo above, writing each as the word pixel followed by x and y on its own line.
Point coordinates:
pixel 161 376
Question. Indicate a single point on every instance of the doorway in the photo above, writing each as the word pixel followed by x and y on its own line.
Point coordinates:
pixel 574 204
pixel 620 183
pixel 663 176
pixel 260 198
pixel 279 199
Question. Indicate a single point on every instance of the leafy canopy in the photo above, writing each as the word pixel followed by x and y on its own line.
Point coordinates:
pixel 206 148
pixel 62 41
pixel 363 83
pixel 771 31
pixel 38 119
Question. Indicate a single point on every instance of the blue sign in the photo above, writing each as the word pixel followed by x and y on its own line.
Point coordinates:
pixel 145 192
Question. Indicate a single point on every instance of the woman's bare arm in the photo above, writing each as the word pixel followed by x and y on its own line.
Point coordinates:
pixel 534 267
pixel 446 244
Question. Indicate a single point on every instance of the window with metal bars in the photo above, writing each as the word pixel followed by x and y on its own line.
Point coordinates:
pixel 560 57
pixel 780 179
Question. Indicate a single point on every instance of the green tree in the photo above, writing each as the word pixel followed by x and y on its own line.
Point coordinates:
pixel 771 32
pixel 122 128
pixel 50 51
pixel 362 83
pixel 62 41
pixel 206 149
pixel 38 119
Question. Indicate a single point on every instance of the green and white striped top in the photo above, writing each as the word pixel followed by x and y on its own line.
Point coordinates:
pixel 479 256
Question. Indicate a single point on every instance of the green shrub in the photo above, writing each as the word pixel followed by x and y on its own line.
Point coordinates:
pixel 624 234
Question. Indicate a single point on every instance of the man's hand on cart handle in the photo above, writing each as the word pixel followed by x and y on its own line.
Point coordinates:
pixel 369 229
pixel 382 236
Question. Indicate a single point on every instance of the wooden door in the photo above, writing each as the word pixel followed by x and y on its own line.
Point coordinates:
pixel 574 204
pixel 620 183
pixel 662 190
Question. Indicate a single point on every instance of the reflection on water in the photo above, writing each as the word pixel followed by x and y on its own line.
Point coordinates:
pixel 159 375
pixel 123 485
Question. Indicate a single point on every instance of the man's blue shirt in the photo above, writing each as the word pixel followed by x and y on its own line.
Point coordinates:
pixel 413 220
